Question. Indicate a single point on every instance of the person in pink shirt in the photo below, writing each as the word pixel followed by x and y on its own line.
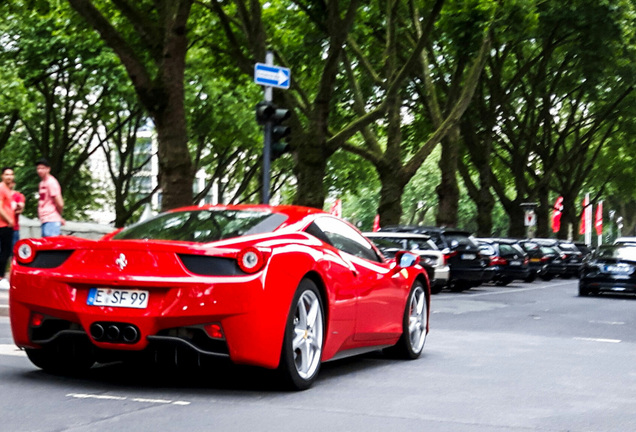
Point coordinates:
pixel 18 208
pixel 50 202
pixel 6 223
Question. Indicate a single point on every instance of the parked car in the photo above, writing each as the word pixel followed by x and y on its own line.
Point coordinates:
pixel 610 269
pixel 467 267
pixel 584 249
pixel 280 287
pixel 508 260
pixel 626 240
pixel 431 257
pixel 571 256
pixel 545 261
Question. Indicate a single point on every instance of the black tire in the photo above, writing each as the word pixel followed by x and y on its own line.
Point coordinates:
pixel 531 278
pixel 67 359
pixel 437 289
pixel 547 277
pixel 584 291
pixel 458 286
pixel 306 317
pixel 414 325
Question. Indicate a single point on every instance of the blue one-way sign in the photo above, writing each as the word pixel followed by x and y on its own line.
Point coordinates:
pixel 273 76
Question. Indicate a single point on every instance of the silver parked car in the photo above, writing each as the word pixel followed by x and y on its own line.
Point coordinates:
pixel 430 256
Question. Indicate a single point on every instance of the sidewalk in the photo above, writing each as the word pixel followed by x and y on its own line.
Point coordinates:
pixel 4 303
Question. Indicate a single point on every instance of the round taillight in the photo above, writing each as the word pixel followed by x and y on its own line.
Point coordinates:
pixel 25 252
pixel 250 260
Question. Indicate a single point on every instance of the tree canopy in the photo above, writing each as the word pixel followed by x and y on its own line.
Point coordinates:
pixel 450 112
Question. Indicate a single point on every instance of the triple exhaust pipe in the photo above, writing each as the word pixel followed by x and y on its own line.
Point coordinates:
pixel 114 332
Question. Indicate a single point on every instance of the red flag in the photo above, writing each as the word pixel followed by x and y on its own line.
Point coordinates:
pixel 336 208
pixel 598 220
pixel 586 202
pixel 556 214
pixel 376 223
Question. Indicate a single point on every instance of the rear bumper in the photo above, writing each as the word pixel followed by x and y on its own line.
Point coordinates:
pixel 508 272
pixel 478 274
pixel 555 269
pixel 608 286
pixel 174 317
pixel 441 275
pixel 572 269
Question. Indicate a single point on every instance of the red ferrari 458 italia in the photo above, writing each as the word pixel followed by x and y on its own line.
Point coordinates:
pixel 280 287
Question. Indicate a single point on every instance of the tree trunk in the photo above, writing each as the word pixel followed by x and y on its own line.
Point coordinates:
pixel 158 79
pixel 310 168
pixel 448 190
pixel 175 164
pixel 485 205
pixel 516 213
pixel 543 213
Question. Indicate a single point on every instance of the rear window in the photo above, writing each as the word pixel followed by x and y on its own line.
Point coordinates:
pixel 403 243
pixel 548 250
pixel 203 225
pixel 570 247
pixel 529 246
pixel 459 239
pixel 507 250
pixel 625 253
pixel 486 249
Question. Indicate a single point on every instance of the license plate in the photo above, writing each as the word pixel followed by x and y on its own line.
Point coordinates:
pixel 118 298
pixel 621 269
pixel 535 259
pixel 469 256
pixel 515 263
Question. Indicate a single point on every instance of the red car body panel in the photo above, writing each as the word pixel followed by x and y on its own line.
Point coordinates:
pixel 364 301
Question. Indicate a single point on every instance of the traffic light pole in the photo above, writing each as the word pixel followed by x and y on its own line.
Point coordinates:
pixel 267 141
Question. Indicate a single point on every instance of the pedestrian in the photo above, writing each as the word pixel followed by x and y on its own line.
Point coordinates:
pixel 6 223
pixel 18 208
pixel 50 202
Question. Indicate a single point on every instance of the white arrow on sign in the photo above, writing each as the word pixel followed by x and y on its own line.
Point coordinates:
pixel 274 76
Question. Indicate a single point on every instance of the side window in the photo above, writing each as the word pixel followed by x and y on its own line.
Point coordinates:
pixel 345 238
pixel 506 250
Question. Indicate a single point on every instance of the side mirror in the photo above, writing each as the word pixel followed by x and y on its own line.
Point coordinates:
pixel 406 259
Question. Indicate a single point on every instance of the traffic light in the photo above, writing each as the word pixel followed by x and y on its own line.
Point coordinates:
pixel 273 117
pixel 279 132
pixel 264 112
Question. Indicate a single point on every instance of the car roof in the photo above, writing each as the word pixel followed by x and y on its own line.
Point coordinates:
pixel 496 240
pixel 390 234
pixel 423 229
pixel 625 239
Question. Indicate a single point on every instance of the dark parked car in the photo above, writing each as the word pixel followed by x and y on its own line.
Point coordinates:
pixel 467 267
pixel 507 259
pixel 545 261
pixel 571 256
pixel 585 249
pixel 611 269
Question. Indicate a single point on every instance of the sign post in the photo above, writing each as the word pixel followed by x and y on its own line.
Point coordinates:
pixel 529 218
pixel 269 76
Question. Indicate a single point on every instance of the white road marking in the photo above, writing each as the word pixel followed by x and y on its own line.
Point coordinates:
pixel 121 398
pixel 608 322
pixel 598 340
pixel 508 290
pixel 11 350
pixel 95 396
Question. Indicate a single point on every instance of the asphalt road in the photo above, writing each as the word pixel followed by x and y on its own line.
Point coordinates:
pixel 527 357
